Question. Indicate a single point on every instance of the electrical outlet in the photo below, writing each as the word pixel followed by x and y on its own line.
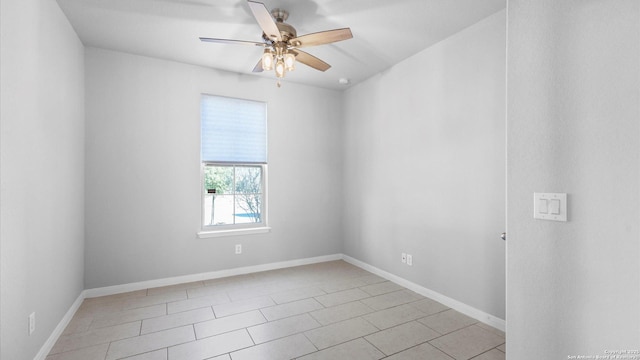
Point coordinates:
pixel 238 249
pixel 32 323
pixel 409 260
pixel 404 258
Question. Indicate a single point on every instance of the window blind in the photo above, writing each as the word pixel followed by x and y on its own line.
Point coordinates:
pixel 233 130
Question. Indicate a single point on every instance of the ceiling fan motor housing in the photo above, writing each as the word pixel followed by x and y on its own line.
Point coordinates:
pixel 286 31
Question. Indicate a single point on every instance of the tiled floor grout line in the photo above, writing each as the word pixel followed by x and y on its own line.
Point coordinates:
pixel 251 337
pixel 369 342
pixel 107 352
pixel 475 357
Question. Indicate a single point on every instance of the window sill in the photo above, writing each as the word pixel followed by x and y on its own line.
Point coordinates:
pixel 234 232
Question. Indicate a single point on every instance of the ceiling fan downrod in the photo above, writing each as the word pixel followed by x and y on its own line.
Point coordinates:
pixel 280 15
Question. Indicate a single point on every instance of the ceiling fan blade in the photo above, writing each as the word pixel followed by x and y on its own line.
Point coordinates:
pixel 265 20
pixel 258 67
pixel 235 42
pixel 310 60
pixel 322 37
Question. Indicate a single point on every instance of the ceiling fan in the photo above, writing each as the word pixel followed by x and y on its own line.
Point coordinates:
pixel 282 44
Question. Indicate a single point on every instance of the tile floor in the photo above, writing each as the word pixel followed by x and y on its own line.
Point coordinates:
pixel 330 310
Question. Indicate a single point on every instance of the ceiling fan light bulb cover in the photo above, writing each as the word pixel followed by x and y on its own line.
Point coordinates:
pixel 290 62
pixel 267 61
pixel 280 69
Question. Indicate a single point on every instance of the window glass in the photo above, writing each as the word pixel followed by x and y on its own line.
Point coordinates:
pixel 233 194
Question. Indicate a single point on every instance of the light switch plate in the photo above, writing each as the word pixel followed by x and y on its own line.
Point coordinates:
pixel 550 206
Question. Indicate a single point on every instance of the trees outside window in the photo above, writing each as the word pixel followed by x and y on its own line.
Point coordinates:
pixel 233 194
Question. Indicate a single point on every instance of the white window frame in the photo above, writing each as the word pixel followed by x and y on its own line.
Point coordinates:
pixel 208 231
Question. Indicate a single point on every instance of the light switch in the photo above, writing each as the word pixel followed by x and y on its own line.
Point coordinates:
pixel 550 206
pixel 543 206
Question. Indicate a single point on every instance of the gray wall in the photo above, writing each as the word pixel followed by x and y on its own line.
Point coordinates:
pixel 42 172
pixel 573 126
pixel 424 168
pixel 143 206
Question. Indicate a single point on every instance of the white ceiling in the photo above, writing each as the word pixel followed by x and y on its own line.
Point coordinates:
pixel 385 32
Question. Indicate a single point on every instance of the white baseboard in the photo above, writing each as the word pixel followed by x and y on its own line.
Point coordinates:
pixel 470 311
pixel 118 289
pixel 51 341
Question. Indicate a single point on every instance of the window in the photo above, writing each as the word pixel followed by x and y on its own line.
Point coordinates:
pixel 238 194
pixel 234 163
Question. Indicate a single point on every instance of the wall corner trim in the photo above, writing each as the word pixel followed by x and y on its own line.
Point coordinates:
pixel 470 311
pixel 57 332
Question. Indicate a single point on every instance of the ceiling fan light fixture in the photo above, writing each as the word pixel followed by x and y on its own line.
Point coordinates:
pixel 280 69
pixel 281 41
pixel 289 61
pixel 267 60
